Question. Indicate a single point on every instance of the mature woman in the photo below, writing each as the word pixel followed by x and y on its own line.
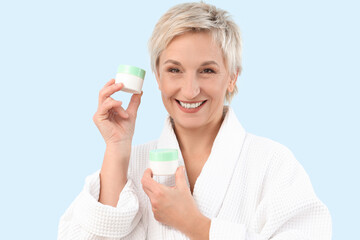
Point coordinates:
pixel 231 184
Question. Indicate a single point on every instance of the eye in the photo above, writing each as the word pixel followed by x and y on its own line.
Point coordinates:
pixel 173 70
pixel 208 70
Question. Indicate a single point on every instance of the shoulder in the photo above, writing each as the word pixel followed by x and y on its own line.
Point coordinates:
pixel 264 143
pixel 265 146
pixel 271 155
pixel 278 161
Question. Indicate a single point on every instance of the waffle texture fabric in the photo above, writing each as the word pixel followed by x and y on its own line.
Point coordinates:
pixel 252 188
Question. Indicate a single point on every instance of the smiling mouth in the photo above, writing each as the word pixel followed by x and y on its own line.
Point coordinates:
pixel 190 105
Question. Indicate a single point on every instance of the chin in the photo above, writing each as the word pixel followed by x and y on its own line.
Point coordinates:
pixel 189 123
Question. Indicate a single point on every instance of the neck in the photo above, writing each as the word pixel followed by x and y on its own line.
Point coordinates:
pixel 198 141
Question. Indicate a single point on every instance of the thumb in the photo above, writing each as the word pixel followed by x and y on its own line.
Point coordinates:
pixel 134 103
pixel 180 178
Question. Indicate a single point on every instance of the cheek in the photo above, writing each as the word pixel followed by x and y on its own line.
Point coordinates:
pixel 167 87
pixel 217 93
pixel 216 88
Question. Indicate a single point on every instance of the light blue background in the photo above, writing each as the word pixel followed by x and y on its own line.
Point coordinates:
pixel 300 87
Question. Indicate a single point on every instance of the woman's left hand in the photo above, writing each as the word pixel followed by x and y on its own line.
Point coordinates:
pixel 175 206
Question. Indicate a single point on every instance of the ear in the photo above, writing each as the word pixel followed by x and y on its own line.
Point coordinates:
pixel 157 76
pixel 232 83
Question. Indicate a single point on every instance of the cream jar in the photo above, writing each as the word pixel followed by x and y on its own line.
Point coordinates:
pixel 164 162
pixel 132 78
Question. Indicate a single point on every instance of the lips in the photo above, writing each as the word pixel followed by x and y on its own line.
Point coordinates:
pixel 190 107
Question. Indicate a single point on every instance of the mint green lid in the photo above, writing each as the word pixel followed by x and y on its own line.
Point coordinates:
pixel 164 155
pixel 138 72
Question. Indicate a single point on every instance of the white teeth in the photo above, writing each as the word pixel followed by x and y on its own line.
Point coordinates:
pixel 190 105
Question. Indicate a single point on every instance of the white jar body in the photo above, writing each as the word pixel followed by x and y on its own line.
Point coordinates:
pixel 164 168
pixel 132 84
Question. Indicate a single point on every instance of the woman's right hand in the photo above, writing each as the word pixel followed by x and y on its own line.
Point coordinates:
pixel 116 124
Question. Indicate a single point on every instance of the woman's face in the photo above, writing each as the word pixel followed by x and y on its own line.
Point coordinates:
pixel 193 80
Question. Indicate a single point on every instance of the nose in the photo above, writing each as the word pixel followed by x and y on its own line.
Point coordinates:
pixel 191 87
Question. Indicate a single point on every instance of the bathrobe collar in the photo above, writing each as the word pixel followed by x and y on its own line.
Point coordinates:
pixel 211 185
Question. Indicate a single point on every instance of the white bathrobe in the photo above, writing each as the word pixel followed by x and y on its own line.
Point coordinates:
pixel 250 187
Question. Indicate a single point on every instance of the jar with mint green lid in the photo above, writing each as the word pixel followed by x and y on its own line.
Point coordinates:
pixel 132 78
pixel 164 161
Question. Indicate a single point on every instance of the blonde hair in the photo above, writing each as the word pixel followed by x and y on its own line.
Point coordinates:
pixel 195 17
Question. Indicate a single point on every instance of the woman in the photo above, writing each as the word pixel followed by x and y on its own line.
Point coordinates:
pixel 231 184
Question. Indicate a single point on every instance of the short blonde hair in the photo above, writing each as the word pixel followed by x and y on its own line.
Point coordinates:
pixel 194 17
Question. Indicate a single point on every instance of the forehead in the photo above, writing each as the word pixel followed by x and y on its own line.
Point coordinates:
pixel 193 47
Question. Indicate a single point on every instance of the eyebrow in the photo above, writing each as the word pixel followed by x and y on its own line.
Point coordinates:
pixel 173 62
pixel 209 63
pixel 203 64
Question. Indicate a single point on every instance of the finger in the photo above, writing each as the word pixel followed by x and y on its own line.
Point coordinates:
pixel 146 182
pixel 149 183
pixel 180 178
pixel 148 192
pixel 110 103
pixel 112 81
pixel 134 104
pixel 107 91
pixel 146 179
